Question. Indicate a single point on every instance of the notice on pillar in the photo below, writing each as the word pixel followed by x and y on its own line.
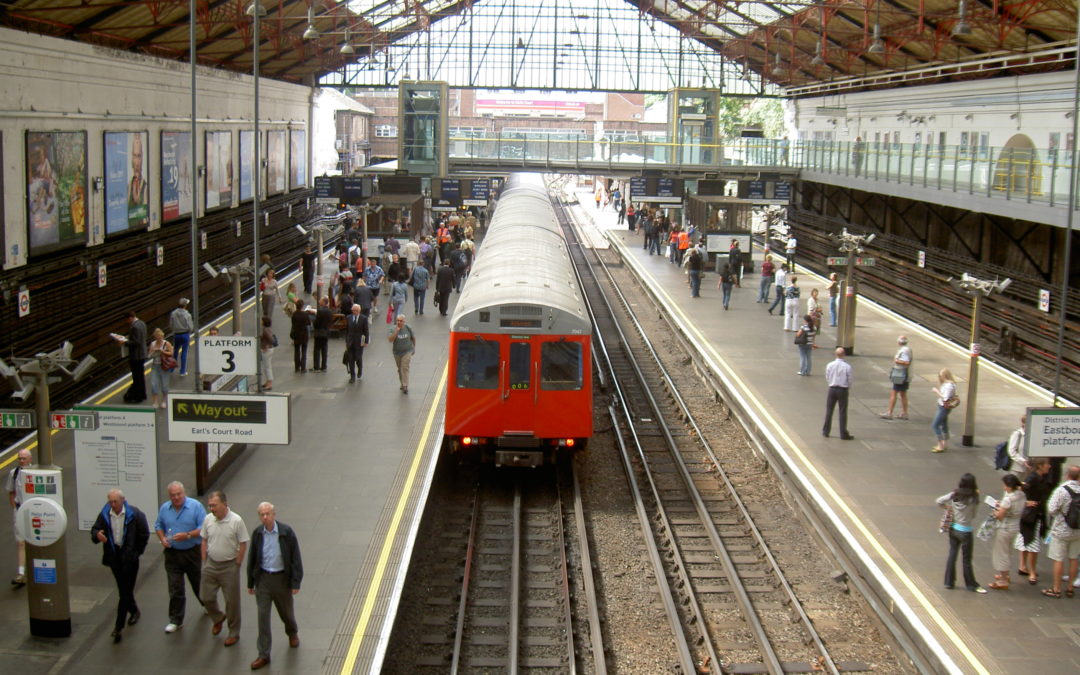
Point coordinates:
pixel 120 453
pixel 44 571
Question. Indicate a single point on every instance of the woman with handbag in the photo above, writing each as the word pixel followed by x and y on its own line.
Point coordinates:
pixel 900 376
pixel 1007 514
pixel 1037 489
pixel 804 340
pixel 161 366
pixel 947 400
pixel 963 503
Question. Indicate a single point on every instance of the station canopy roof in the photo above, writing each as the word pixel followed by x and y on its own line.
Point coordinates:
pixel 748 47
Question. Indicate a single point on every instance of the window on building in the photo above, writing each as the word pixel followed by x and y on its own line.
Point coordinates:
pixel 385 131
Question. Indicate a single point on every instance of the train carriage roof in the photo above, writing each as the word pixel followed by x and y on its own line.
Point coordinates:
pixel 523 268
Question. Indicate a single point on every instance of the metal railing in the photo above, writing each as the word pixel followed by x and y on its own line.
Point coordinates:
pixel 1026 174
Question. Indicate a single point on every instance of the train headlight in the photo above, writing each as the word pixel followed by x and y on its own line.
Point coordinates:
pixel 467 440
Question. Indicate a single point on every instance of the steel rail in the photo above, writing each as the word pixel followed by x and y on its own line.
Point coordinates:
pixel 595 635
pixel 515 585
pixel 470 552
pixel 560 534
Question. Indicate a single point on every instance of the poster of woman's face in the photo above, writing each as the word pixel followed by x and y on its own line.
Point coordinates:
pixel 275 157
pixel 55 189
pixel 127 191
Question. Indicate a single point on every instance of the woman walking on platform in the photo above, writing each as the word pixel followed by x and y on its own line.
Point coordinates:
pixel 961 504
pixel 1007 513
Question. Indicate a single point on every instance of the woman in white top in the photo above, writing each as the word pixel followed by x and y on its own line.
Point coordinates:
pixel 813 308
pixel 1007 513
pixel 946 393
pixel 159 375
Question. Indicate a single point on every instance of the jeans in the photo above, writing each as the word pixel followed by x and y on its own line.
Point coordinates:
pixel 940 425
pixel 804 358
pixel 695 283
pixel 180 349
pixel 159 380
pixel 763 289
pixel 654 245
pixel 726 288
pixel 418 300
pixel 957 540
pixel 832 310
pixel 779 298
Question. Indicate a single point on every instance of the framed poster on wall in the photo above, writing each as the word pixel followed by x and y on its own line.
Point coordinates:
pixel 56 189
pixel 127 192
pixel 176 173
pixel 297 158
pixel 247 161
pixel 276 162
pixel 219 176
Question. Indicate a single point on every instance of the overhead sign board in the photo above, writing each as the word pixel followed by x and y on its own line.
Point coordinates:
pixel 638 186
pixel 450 190
pixel 782 190
pixel 17 419
pixel 228 355
pixel 356 188
pixel 1052 432
pixel 324 190
pixel 481 190
pixel 229 418
pixel 840 261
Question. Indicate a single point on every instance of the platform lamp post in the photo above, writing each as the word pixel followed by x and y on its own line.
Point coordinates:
pixel 851 245
pixel 257 12
pixel 47 598
pixel 977 289
pixel 321 231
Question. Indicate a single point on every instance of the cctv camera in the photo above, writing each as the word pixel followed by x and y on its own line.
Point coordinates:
pixel 210 270
pixel 6 370
pixel 300 228
pixel 65 350
pixel 870 238
pixel 80 371
pixel 1003 285
pixel 23 395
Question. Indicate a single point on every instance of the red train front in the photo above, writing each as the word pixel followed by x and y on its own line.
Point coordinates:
pixel 520 385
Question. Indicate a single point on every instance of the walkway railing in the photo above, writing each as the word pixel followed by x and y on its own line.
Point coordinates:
pixel 1013 173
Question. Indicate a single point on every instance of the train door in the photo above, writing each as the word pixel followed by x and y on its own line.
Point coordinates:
pixel 519 395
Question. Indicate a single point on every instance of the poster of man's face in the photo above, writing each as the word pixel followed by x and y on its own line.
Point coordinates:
pixel 55 188
pixel 127 190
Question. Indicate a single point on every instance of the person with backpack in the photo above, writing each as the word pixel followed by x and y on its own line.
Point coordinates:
pixel 1064 514
pixel 1019 465
pixel 695 264
pixel 961 506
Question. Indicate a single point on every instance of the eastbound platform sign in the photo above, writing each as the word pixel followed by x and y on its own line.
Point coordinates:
pixel 17 419
pixel 229 418
pixel 228 355
pixel 1052 432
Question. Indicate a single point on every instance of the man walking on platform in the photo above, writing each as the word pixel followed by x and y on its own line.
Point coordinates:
pixel 324 318
pixel 177 526
pixel 274 573
pixel 356 338
pixel 781 280
pixel 444 283
pixel 224 543
pixel 122 530
pixel 14 489
pixel 181 325
pixel 838 375
pixel 404 341
pixel 308 261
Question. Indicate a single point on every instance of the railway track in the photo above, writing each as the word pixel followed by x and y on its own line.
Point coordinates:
pixel 728 603
pixel 510 589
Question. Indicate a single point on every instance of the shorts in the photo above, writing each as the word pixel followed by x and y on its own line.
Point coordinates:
pixel 1062 549
pixel 901 387
pixel 14 529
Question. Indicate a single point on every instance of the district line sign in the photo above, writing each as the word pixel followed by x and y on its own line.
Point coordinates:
pixel 1052 432
pixel 229 418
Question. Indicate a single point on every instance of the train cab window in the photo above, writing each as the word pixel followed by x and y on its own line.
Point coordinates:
pixel 520 360
pixel 477 364
pixel 561 366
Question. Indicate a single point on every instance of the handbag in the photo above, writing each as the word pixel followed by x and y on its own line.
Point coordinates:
pixel 987 529
pixel 167 361
pixel 952 402
pixel 946 519
pixel 898 375
pixel 390 313
pixel 800 337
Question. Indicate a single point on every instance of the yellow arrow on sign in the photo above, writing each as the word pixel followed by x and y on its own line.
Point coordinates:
pixel 181 407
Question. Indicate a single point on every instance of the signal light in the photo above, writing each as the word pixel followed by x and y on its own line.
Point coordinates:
pixel 467 440
pixel 569 442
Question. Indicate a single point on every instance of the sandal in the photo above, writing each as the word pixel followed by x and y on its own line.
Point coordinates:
pixel 901 417
pixel 998 586
pixel 1069 592
pixel 1051 593
pixel 1033 579
pixel 885 416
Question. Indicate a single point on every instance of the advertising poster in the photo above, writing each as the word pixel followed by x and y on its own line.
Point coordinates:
pixel 219 178
pixel 247 161
pixel 175 175
pixel 127 193
pixel 298 158
pixel 56 188
pixel 120 453
pixel 275 157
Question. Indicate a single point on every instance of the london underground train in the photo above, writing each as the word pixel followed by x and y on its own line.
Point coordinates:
pixel 520 380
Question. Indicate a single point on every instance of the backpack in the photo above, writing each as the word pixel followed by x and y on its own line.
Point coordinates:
pixel 1002 461
pixel 1072 514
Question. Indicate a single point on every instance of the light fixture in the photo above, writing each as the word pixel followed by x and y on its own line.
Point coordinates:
pixel 346 47
pixel 255 9
pixel 817 60
pixel 878 45
pixel 310 33
pixel 962 27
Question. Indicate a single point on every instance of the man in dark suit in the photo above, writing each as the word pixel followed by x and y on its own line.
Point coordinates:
pixel 123 531
pixel 323 318
pixel 364 297
pixel 444 283
pixel 135 350
pixel 356 338
pixel 274 573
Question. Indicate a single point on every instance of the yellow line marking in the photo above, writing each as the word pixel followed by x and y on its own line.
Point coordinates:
pixel 388 543
pixel 908 583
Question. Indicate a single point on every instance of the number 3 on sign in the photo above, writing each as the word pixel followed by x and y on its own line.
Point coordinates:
pixel 230 361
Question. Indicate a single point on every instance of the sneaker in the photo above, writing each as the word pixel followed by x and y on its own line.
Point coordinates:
pixel 173 627
pixel 885 416
pixel 19 581
pixel 979 589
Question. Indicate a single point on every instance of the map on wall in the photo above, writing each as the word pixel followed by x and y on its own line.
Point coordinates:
pixel 175 175
pixel 297 158
pixel 127 192
pixel 276 166
pixel 219 176
pixel 55 188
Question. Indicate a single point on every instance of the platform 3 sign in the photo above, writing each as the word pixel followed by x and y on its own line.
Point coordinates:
pixel 1052 432
pixel 229 418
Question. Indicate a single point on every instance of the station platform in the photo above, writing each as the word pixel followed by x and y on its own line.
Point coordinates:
pixel 880 487
pixel 352 484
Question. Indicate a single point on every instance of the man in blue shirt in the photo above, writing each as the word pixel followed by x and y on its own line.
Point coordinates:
pixel 178 523
pixel 274 573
